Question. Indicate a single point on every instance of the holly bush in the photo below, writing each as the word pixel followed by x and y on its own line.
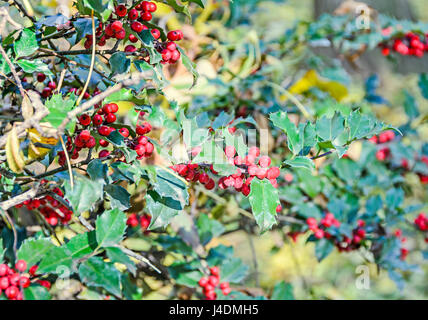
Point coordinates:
pixel 138 137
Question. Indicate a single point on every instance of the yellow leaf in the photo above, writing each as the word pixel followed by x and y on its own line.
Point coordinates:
pixel 39 152
pixel 312 80
pixel 14 156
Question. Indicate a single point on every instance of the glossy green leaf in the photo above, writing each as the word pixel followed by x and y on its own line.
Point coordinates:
pixel 264 200
pixel 110 228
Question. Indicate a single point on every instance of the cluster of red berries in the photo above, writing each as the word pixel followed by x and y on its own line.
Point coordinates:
pixel 403 251
pixel 12 280
pixel 410 45
pixel 136 17
pixel 422 222
pixel 343 243
pixel 210 283
pixel 53 210
pixel 241 180
pixel 319 228
pixel 194 172
pixel 387 136
pixel 422 177
pixel 49 88
pixel 134 220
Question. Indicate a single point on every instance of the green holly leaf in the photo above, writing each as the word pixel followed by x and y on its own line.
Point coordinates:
pixel 36 292
pixel 96 273
pixel 423 84
pixel 282 291
pixel 280 119
pixel 208 228
pixel 119 197
pixel 110 228
pixel 26 44
pixel 117 255
pixel 328 129
pixel 323 248
pixel 58 108
pixel 264 200
pixel 68 255
pixel 233 270
pixel 300 162
pixel 189 65
pixel 84 194
pixel 33 250
pixel 119 63
pixel 34 66
pixel 172 190
pixel 160 213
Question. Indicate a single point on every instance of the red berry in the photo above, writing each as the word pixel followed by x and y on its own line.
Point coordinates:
pixel 52 85
pixel 173 35
pixel 133 38
pixel 155 33
pixel 140 149
pixel 142 140
pixel 97 120
pixel 84 136
pixel 133 14
pixel 21 265
pixel 124 132
pixel 85 120
pixel 103 153
pixel 4 283
pixel 230 151
pixel 171 46
pixel 319 234
pixel 149 148
pixel 91 143
pixel 152 7
pixel 121 10
pixel 110 117
pixel 311 222
pixel 146 16
pixel 117 26
pixel 166 55
pixel 11 292
pixel 224 285
pixel 264 161
pixel 41 77
pixel 120 35
pixel 203 281
pixel 24 282
pixel 210 184
pixel 226 291
pixel 278 208
pixel 104 130
pixel 213 280
pixel 4 269
pixel 137 26
pixel 175 56
pixel 273 173
pixel 215 271
pixel 130 48
pixel 46 92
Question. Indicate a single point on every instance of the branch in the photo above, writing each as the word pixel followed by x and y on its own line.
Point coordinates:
pixel 27 195
pixel 23 10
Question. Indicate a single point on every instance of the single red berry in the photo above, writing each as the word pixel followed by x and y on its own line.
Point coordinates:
pixel 4 269
pixel 21 265
pixel 97 120
pixel 4 283
pixel 121 10
pixel 319 234
pixel 85 120
pixel 41 77
pixel 171 46
pixel 175 56
pixel 137 26
pixel 52 85
pixel 311 222
pixel 133 38
pixel 203 281
pixel 91 142
pixel 103 143
pixel 104 130
pixel 46 92
pixel 133 14
pixel 84 136
pixel 149 148
pixel 213 280
pixel 146 16
pixel 215 271
pixel 124 132
pixel 117 26
pixel 103 153
pixel 11 292
pixel 152 7
pixel 140 149
pixel 273 173
pixel 110 117
pixel 254 151
pixel 24 282
pixel 120 35
pixel 230 151
pixel 130 48
pixel 166 55
pixel 264 161
pixel 226 291
pixel 155 33
pixel 278 208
